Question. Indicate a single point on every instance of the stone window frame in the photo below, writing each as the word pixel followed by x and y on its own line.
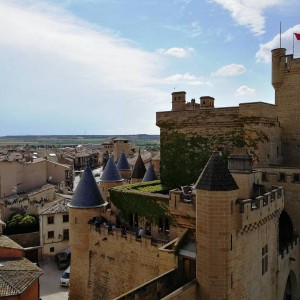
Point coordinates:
pixel 264 260
pixel 50 220
pixel 296 178
pixel 282 177
pixel 65 218
pixel 66 234
pixel 50 234
pixel 264 176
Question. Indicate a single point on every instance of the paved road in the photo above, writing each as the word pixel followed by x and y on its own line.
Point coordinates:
pixel 50 288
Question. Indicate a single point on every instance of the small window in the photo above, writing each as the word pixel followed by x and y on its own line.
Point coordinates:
pixel 296 178
pixel 51 220
pixel 264 176
pixel 66 234
pixel 50 234
pixel 282 177
pixel 65 218
pixel 264 261
pixel 51 249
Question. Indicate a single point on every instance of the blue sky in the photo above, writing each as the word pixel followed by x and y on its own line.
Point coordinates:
pixel 106 66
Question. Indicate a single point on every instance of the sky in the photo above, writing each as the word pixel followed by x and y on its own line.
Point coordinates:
pixel 107 66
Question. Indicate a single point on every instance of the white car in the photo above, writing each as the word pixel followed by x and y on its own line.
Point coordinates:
pixel 65 277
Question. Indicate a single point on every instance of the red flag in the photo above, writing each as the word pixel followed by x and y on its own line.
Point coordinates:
pixel 297 35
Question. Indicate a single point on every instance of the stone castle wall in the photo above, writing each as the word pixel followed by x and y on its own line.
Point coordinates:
pixel 119 263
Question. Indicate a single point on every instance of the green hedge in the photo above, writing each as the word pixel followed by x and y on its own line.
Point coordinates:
pixel 140 198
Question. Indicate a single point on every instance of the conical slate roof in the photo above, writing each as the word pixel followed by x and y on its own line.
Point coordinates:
pixel 123 163
pixel 216 176
pixel 110 173
pixel 87 193
pixel 139 168
pixel 150 174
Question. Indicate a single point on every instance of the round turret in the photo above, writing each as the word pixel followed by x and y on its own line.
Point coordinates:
pixel 277 73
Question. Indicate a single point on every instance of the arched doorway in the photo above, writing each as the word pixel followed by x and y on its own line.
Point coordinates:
pixel 290 287
pixel 286 230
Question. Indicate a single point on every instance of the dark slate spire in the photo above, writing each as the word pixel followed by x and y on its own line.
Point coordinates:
pixel 123 163
pixel 150 174
pixel 139 168
pixel 216 176
pixel 110 173
pixel 87 193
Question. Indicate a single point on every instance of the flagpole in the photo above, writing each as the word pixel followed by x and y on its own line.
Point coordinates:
pixel 280 34
pixel 293 43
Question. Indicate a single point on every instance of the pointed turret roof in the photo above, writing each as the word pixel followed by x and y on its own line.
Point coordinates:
pixel 216 176
pixel 150 174
pixel 123 163
pixel 139 168
pixel 87 193
pixel 110 173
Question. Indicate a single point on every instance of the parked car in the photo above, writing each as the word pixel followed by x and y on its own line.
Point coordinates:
pixel 63 259
pixel 65 277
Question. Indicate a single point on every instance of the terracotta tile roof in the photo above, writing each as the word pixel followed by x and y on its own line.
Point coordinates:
pixel 56 207
pixel 16 275
pixel 6 242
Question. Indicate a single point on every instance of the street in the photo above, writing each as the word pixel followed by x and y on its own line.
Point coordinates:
pixel 50 288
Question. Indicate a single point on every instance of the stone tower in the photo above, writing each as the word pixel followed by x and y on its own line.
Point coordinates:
pixel 216 192
pixel 207 101
pixel 139 170
pixel 123 166
pixel 110 178
pixel 84 206
pixel 178 101
pixel 286 82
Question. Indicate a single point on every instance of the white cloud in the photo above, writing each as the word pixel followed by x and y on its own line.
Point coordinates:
pixel 244 90
pixel 230 70
pixel 59 63
pixel 249 13
pixel 54 32
pixel 177 52
pixel 187 78
pixel 264 53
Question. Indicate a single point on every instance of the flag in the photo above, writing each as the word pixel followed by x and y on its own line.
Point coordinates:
pixel 297 35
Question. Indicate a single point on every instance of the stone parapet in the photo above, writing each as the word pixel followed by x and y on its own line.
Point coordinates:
pixel 256 212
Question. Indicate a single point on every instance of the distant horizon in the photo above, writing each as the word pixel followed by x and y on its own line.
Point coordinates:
pixel 78 135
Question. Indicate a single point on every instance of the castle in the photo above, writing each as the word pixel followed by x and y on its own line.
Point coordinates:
pixel 230 231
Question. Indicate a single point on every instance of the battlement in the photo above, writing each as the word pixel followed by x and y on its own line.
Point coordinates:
pixel 255 212
pixel 292 249
pixel 205 114
pixel 104 233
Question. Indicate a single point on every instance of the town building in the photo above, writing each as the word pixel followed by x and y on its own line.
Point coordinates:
pixel 19 278
pixel 54 226
pixel 28 185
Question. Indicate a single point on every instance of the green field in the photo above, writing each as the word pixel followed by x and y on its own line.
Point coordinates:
pixel 142 140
